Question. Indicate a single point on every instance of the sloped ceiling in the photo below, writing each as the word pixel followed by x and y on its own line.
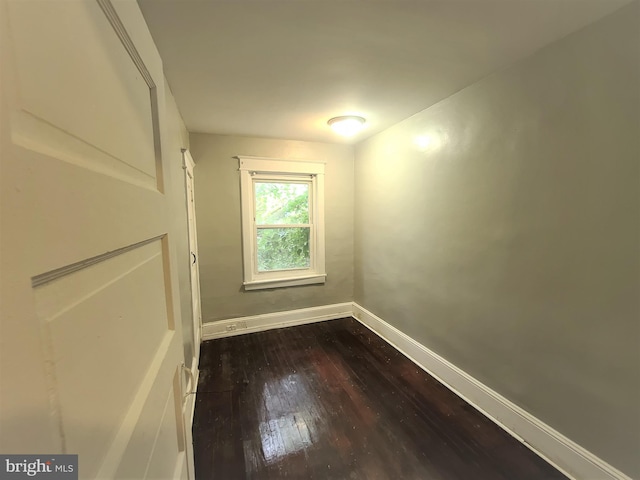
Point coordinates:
pixel 281 69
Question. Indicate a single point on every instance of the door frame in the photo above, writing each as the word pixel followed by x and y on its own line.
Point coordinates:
pixel 194 265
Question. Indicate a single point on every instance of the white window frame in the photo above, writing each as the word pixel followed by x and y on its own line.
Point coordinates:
pixel 261 168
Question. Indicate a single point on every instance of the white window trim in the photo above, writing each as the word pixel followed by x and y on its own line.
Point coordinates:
pixel 249 167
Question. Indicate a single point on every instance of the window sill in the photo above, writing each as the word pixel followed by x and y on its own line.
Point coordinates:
pixel 285 282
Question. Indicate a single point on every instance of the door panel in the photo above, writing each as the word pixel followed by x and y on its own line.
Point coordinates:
pixel 91 338
pixel 94 77
pixel 111 306
pixel 163 458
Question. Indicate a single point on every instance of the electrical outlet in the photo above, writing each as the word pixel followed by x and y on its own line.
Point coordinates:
pixel 235 326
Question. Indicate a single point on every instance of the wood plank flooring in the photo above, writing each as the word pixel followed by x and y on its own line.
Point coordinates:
pixel 331 400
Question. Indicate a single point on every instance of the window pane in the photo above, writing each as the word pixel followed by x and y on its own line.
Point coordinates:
pixel 281 203
pixel 283 248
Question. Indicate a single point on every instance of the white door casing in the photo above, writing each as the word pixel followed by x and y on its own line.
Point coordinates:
pixel 91 346
pixel 193 251
pixel 192 379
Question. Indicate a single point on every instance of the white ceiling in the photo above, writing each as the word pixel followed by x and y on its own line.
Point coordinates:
pixel 275 68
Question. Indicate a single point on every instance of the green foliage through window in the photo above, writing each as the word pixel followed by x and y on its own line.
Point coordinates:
pixel 283 248
pixel 282 216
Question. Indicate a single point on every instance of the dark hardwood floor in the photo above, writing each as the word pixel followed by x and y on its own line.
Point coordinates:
pixel 331 400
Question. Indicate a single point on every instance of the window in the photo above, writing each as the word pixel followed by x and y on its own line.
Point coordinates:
pixel 282 222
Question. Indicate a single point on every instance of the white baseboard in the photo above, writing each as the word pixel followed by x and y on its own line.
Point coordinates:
pixel 269 321
pixel 563 453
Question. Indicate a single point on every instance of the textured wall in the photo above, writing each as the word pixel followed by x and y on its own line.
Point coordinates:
pixel 219 230
pixel 500 229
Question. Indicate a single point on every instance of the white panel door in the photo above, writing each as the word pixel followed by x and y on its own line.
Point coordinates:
pixel 90 343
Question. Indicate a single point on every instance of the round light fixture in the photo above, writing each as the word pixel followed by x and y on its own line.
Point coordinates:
pixel 347 125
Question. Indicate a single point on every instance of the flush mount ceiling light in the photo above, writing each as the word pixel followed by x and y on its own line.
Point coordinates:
pixel 347 125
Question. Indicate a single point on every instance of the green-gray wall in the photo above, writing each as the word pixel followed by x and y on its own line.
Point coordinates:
pixel 509 244
pixel 217 188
